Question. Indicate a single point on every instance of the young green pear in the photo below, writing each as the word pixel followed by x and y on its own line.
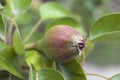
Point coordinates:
pixel 61 43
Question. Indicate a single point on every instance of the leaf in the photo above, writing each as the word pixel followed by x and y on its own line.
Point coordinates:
pixel 44 74
pixel 32 73
pixel 67 21
pixel 2 26
pixel 36 59
pixel 23 19
pixel 49 74
pixel 46 63
pixel 115 77
pixel 18 44
pixel 8 59
pixel 33 57
pixel 7 9
pixel 52 10
pixel 14 7
pixel 21 5
pixel 107 28
pixel 72 70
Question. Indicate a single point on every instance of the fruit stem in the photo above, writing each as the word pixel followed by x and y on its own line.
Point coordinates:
pixel 97 75
pixel 30 46
pixel 33 30
pixel 33 46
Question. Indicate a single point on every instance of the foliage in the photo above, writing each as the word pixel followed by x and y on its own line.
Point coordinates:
pixel 108 32
pixel 18 38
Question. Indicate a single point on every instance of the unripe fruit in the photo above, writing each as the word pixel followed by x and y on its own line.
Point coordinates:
pixel 61 43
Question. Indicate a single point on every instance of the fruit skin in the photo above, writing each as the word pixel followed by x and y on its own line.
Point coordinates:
pixel 61 43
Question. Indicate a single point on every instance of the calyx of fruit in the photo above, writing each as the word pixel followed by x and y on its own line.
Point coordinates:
pixel 61 43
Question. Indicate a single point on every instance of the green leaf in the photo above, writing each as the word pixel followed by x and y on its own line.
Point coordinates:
pixel 14 7
pixel 33 57
pixel 36 59
pixel 49 74
pixel 23 19
pixel 18 44
pixel 7 9
pixel 32 73
pixel 45 74
pixel 115 77
pixel 2 26
pixel 52 10
pixel 20 5
pixel 67 21
pixel 107 28
pixel 8 59
pixel 46 63
pixel 72 70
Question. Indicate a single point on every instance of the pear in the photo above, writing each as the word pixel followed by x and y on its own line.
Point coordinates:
pixel 61 43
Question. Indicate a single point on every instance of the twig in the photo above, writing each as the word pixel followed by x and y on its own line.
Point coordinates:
pixel 16 26
pixel 33 30
pixel 97 75
pixel 9 32
pixel 30 46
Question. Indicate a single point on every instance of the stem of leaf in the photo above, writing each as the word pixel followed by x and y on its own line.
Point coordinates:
pixel 34 46
pixel 12 20
pixel 9 32
pixel 9 35
pixel 30 46
pixel 33 30
pixel 97 75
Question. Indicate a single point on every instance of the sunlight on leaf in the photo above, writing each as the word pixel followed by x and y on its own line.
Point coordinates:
pixel 18 44
pixel 33 57
pixel 14 7
pixel 21 5
pixel 53 10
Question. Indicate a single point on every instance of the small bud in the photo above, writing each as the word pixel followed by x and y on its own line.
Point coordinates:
pixel 61 43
